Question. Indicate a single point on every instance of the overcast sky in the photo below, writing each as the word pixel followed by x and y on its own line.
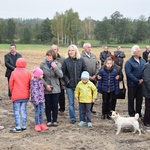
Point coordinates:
pixel 96 9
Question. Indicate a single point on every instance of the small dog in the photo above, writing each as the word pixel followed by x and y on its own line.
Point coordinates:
pixel 126 121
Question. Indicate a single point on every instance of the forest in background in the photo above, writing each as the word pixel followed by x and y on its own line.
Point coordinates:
pixel 67 28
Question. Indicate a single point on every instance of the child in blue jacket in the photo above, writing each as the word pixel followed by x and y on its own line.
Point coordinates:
pixel 108 85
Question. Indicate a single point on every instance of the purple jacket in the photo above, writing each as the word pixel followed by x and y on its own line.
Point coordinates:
pixel 37 91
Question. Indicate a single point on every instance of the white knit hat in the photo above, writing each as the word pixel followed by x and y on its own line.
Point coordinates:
pixel 85 74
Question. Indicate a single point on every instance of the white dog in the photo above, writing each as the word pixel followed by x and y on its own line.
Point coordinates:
pixel 126 121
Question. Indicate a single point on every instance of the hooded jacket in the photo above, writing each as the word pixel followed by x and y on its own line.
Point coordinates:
pixel 19 82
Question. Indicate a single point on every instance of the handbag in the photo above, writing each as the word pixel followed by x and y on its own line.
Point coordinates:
pixel 122 92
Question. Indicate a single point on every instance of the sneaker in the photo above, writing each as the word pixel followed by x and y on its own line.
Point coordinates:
pixel 43 126
pixel 23 128
pixel 37 128
pixel 72 121
pixel 89 124
pixel 15 130
pixel 55 124
pixel 49 124
pixel 81 123
pixel 1 127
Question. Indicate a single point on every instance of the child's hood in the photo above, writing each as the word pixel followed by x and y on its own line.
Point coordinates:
pixel 21 63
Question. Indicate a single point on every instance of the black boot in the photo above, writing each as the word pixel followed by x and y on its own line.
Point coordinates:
pixel 103 116
pixel 92 111
pixel 108 116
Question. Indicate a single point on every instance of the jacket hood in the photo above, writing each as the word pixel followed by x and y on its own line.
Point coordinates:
pixel 21 63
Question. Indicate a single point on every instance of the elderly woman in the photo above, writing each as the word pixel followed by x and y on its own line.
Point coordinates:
pixel 51 73
pixel 146 91
pixel 72 68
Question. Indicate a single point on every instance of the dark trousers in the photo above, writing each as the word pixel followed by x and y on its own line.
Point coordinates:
pixel 106 103
pixel 62 100
pixel 113 103
pixel 51 107
pixel 85 113
pixel 9 93
pixel 147 111
pixel 135 93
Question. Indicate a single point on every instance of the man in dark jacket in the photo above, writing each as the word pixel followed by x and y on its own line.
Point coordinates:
pixel 104 54
pixel 145 53
pixel 119 56
pixel 133 70
pixel 10 62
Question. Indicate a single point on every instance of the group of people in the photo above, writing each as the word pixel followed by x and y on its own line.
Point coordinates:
pixel 82 76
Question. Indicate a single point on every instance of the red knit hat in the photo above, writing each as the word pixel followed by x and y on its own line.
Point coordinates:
pixel 37 72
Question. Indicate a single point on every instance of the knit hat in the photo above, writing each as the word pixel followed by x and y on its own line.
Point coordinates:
pixel 37 72
pixel 85 74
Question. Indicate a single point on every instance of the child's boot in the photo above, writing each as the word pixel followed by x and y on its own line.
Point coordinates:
pixel 37 128
pixel 43 126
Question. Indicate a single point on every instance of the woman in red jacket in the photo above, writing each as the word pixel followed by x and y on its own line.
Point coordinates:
pixel 19 85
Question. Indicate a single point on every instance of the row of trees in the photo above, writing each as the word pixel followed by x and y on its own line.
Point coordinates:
pixel 66 28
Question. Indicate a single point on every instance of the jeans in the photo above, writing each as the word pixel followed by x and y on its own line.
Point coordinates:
pixel 38 113
pixel 85 112
pixel 70 95
pixel 51 107
pixel 20 106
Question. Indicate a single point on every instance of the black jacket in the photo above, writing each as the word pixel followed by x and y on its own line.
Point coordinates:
pixel 10 63
pixel 146 80
pixel 72 69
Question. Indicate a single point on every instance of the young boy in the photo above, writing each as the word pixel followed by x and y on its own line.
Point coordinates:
pixel 19 85
pixel 85 93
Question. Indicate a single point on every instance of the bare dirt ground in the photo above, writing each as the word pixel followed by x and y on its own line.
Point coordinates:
pixel 66 136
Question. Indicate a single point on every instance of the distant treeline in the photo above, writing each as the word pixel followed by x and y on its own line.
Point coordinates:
pixel 67 28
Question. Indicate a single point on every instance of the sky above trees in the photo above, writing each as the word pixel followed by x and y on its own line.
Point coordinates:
pixel 96 9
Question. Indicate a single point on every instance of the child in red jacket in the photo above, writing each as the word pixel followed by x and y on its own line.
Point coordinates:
pixel 19 85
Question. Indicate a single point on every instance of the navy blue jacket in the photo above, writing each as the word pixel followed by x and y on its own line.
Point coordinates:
pixel 108 82
pixel 133 71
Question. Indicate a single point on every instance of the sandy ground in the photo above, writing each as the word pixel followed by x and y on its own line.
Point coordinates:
pixel 67 136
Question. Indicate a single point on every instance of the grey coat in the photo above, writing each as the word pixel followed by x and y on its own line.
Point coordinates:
pixel 51 76
pixel 146 80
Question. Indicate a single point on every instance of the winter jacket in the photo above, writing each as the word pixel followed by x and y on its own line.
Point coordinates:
pixel 119 71
pixel 85 92
pixel 37 91
pixel 72 69
pixel 10 63
pixel 51 76
pixel 133 71
pixel 108 82
pixel 103 56
pixel 60 59
pixel 91 63
pixel 19 82
pixel 146 80
pixel 145 55
pixel 119 55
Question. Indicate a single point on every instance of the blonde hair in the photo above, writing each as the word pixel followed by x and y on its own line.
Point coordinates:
pixel 77 54
pixel 149 57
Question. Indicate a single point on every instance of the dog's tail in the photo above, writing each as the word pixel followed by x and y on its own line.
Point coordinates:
pixel 136 116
